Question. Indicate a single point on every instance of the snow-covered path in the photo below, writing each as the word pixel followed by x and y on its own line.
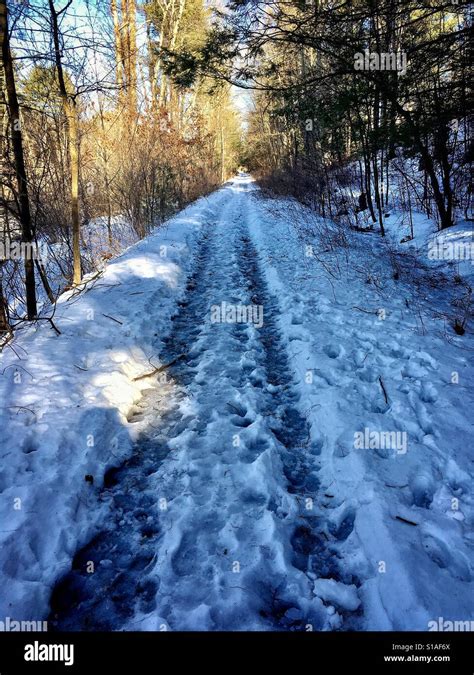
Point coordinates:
pixel 204 531
pixel 227 491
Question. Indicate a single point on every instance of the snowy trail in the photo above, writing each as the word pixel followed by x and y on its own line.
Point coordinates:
pixel 228 491
pixel 214 523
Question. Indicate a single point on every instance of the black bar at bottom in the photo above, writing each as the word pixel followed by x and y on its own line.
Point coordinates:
pixel 151 652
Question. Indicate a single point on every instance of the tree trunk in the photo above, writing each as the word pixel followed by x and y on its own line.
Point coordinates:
pixel 4 325
pixel 20 169
pixel 375 164
pixel 104 159
pixel 222 153
pixel 152 61
pixel 132 55
pixel 444 215
pixel 442 138
pixel 118 45
pixel 70 112
pixel 129 47
pixel 44 281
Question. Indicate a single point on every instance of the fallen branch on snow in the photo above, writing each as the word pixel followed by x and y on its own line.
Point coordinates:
pixel 160 369
pixel 111 317
pixel 384 390
pixel 83 286
pixel 404 520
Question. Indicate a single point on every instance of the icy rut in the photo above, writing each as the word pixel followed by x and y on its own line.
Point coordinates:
pixel 214 520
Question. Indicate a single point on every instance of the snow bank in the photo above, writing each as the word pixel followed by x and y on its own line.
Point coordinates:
pixel 65 400
pixel 449 251
pixel 376 358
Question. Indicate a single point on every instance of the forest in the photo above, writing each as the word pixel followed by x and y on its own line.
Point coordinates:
pixel 94 128
pixel 127 110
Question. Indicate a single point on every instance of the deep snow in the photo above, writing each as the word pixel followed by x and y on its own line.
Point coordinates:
pixel 240 500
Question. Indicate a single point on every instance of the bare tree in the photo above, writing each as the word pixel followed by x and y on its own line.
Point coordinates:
pixel 24 211
pixel 70 113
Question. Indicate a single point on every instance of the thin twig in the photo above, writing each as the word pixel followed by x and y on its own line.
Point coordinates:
pixel 58 332
pixel 18 408
pixel 111 317
pixel 367 311
pixel 16 365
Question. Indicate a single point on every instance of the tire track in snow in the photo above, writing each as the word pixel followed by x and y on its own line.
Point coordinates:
pixel 309 539
pixel 230 551
pixel 122 583
pixel 123 554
